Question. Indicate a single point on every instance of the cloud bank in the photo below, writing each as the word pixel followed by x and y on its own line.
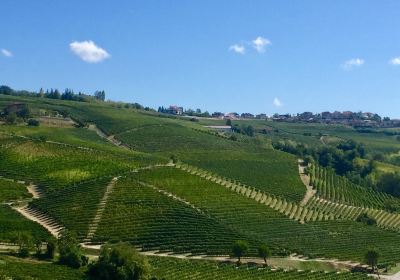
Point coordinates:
pixel 88 51
pixel 395 61
pixel 277 102
pixel 6 53
pixel 351 63
pixel 260 44
pixel 238 49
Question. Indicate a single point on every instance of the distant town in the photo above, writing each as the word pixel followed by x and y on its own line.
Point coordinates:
pixel 355 119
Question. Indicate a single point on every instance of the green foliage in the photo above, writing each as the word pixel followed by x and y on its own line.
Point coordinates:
pixel 119 262
pixel 51 247
pixel 70 251
pixel 390 183
pixel 371 258
pixel 10 191
pixel 176 269
pixel 12 222
pixel 333 239
pixel 366 219
pixel 239 249
pixel 145 217
pixel 264 252
pixel 19 269
pixel 33 122
pixel 25 242
pixel 339 189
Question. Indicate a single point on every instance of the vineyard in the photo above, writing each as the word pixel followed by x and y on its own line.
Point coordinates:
pixel 12 191
pixel 344 240
pixel 12 222
pixel 204 270
pixel 53 166
pixel 13 268
pixel 147 218
pixel 177 188
pixel 339 189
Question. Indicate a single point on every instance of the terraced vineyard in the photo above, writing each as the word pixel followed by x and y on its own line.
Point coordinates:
pixel 219 191
pixel 81 200
pixel 10 190
pixel 12 222
pixel 152 220
pixel 339 189
pixel 53 166
pixel 247 163
pixel 334 239
pixel 171 269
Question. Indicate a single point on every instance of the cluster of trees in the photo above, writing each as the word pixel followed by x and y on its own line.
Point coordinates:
pixel 117 262
pixel 340 157
pixel 244 129
pixel 120 262
pixel 390 183
pixel 241 247
pixel 68 94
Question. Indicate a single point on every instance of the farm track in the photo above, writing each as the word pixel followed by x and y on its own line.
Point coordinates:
pixel 36 216
pixel 109 138
pixel 99 213
pixel 173 196
pixel 306 181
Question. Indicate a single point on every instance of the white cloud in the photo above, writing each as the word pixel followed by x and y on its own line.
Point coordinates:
pixel 7 53
pixel 351 63
pixel 277 102
pixel 237 48
pixel 260 44
pixel 395 61
pixel 88 51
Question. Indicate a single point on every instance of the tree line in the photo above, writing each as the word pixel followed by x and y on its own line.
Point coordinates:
pixel 67 94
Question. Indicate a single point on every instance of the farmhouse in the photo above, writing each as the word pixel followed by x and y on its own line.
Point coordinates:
pixel 174 110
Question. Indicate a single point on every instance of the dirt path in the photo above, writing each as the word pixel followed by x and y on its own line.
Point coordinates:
pixel 306 181
pixel 100 210
pixel 173 196
pixel 34 191
pixel 109 138
pixel 47 222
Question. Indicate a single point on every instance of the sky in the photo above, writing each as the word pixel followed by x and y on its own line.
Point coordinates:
pixel 227 55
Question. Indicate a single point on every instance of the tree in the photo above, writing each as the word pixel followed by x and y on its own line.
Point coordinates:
pixel 100 95
pixel 11 118
pixel 239 249
pixel 119 262
pixel 6 90
pixel 389 183
pixel 24 240
pixel 228 122
pixel 371 258
pixel 70 250
pixel 51 247
pixel 33 122
pixel 264 252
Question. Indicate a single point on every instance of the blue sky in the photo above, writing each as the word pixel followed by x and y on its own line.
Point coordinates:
pixel 226 55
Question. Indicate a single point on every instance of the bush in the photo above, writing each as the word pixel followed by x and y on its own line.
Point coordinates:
pixel 70 251
pixel 119 262
pixel 364 218
pixel 33 122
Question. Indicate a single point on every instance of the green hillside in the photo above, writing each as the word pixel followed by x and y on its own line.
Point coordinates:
pixel 164 184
